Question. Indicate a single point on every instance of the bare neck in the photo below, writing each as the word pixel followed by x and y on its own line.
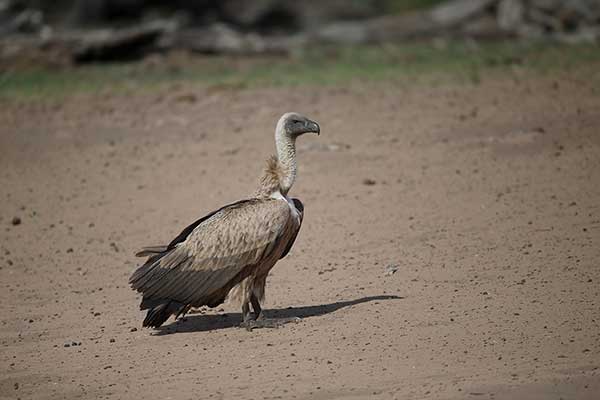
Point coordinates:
pixel 286 156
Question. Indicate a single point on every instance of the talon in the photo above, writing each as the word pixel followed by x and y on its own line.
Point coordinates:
pixel 247 325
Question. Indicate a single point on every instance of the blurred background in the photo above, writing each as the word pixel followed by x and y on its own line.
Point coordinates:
pixel 457 169
pixel 72 32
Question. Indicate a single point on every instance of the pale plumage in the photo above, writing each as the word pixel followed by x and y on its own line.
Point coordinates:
pixel 235 246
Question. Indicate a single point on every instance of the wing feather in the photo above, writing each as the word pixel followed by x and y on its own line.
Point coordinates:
pixel 151 250
pixel 300 207
pixel 219 252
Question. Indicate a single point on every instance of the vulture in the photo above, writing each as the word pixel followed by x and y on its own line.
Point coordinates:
pixel 230 251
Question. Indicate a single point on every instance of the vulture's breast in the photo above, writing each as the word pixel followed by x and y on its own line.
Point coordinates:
pixel 295 214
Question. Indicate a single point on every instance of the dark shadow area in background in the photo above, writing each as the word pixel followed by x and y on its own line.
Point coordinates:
pixel 201 323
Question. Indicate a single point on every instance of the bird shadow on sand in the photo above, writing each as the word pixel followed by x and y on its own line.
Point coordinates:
pixel 201 323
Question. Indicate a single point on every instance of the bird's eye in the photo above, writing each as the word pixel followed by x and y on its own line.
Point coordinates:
pixel 296 121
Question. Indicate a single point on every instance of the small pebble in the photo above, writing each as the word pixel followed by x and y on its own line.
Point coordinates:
pixel 369 182
pixel 391 269
pixel 16 221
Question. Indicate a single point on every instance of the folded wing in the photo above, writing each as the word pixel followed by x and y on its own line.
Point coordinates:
pixel 206 260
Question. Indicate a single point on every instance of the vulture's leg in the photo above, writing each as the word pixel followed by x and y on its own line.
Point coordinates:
pixel 258 314
pixel 245 312
pixel 259 318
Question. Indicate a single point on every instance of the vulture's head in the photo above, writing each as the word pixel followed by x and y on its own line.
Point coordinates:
pixel 293 125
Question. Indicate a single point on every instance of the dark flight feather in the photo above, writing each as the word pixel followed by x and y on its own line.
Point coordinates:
pixel 300 207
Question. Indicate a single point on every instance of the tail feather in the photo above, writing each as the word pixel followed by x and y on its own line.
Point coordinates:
pixel 160 312
pixel 150 251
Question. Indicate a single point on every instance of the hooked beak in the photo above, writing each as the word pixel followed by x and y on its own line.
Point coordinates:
pixel 312 126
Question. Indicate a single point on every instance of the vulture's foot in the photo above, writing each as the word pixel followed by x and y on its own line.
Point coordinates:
pixel 267 323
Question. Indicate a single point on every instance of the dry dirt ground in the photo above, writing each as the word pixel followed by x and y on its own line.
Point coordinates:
pixel 484 199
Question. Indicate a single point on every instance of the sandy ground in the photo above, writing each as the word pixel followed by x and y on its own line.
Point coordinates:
pixel 484 199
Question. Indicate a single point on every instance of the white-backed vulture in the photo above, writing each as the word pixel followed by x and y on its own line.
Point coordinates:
pixel 233 247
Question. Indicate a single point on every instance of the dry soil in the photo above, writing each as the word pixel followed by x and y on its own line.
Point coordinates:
pixel 450 246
